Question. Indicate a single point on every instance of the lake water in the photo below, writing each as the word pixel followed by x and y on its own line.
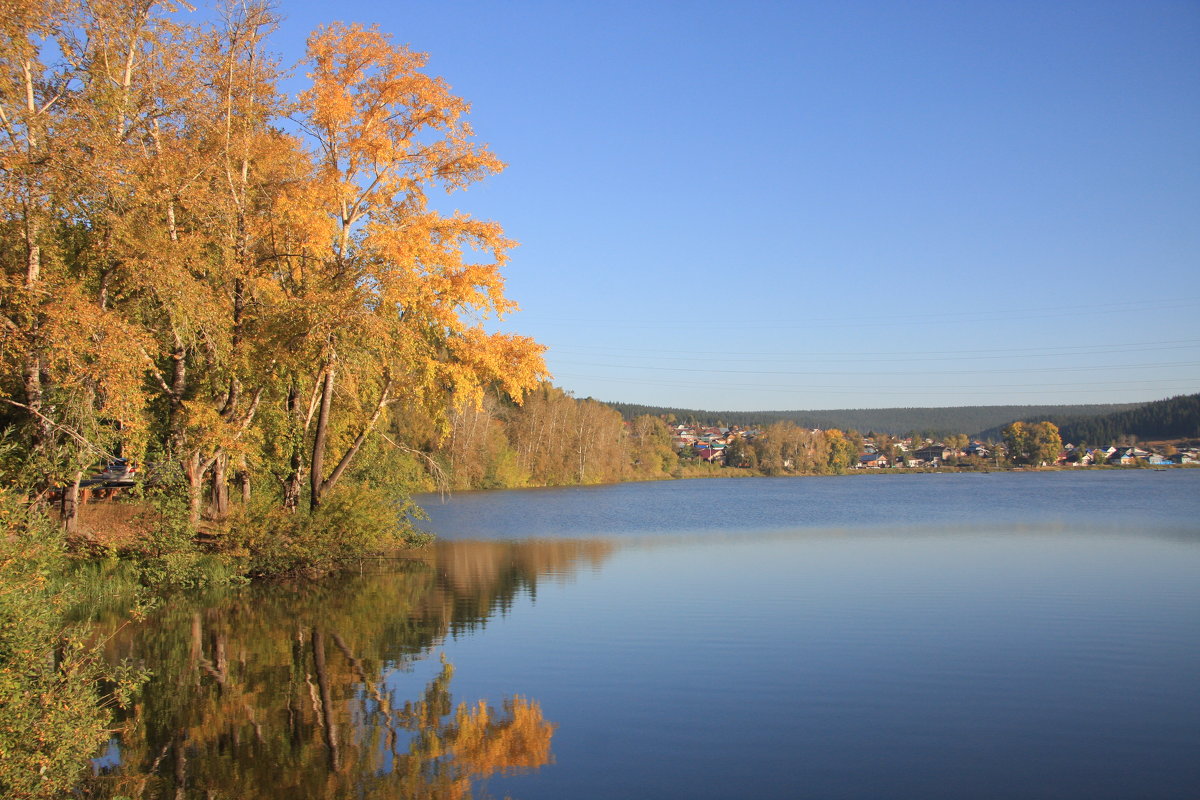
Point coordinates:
pixel 1031 635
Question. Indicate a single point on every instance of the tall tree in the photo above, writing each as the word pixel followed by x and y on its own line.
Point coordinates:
pixel 650 452
pixel 1032 443
pixel 67 129
pixel 390 274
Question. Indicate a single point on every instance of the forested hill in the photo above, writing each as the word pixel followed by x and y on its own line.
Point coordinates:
pixel 1175 418
pixel 931 421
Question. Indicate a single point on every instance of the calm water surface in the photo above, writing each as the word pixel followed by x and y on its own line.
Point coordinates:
pixel 926 636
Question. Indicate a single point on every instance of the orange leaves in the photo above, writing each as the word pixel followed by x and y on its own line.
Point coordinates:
pixel 514 362
pixel 420 266
pixel 183 251
pixel 402 287
pixel 360 80
pixel 385 131
pixel 96 354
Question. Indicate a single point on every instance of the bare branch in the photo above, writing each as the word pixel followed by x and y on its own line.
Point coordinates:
pixel 155 371
pixel 440 478
pixel 74 434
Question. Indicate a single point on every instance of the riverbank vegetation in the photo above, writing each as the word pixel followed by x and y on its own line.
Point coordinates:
pixel 56 692
pixel 554 439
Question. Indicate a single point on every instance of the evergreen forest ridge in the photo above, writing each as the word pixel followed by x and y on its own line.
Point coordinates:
pixel 976 421
pixel 1173 418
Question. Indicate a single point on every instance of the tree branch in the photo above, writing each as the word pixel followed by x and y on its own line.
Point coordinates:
pixel 157 373
pixel 440 478
pixel 74 434
pixel 358 440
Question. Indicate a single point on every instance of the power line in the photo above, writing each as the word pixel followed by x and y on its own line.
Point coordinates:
pixel 1092 386
pixel 891 356
pixel 841 321
pixel 878 373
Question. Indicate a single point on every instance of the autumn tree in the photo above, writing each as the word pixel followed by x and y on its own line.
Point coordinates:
pixel 480 455
pixel 957 441
pixel 541 432
pixel 184 280
pixel 787 447
pixel 249 162
pixel 70 131
pixel 741 453
pixel 772 447
pixel 598 444
pixel 386 277
pixel 1032 443
pixel 1047 443
pixel 183 235
pixel 842 450
pixel 561 440
pixel 651 454
pixel 31 95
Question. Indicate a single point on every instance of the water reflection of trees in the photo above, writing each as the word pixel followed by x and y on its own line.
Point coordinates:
pixel 483 578
pixel 294 690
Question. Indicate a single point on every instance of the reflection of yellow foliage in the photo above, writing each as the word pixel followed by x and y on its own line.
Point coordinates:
pixel 476 567
pixel 483 744
pixel 213 716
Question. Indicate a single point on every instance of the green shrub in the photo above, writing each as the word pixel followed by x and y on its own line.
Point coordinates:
pixel 353 521
pixel 166 554
pixel 52 715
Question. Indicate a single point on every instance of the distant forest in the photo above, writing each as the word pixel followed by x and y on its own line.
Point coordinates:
pixel 1174 418
pixel 978 421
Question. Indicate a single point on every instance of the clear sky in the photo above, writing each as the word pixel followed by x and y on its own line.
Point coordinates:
pixel 805 205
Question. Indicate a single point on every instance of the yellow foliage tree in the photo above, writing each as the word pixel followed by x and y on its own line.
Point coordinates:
pixel 388 277
pixel 175 261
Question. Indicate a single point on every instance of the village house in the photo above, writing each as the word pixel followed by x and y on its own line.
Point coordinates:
pixel 934 454
pixel 872 461
pixel 1129 455
pixel 1082 459
pixel 978 450
pixel 713 452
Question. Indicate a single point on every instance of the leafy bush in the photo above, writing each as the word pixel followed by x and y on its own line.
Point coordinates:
pixel 166 553
pixel 353 521
pixel 52 715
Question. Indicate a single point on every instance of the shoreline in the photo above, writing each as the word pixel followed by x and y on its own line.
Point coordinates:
pixel 739 472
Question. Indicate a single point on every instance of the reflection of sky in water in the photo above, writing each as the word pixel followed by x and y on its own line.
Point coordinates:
pixel 1043 662
pixel 110 758
pixel 927 636
pixel 1106 498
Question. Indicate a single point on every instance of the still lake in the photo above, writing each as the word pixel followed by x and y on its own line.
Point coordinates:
pixel 1032 635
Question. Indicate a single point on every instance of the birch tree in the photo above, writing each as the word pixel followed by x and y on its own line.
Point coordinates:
pixel 391 276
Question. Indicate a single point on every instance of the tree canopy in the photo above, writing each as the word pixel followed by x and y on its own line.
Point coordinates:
pixel 202 272
pixel 1036 444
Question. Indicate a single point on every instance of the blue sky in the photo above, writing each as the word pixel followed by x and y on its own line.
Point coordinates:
pixel 747 206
